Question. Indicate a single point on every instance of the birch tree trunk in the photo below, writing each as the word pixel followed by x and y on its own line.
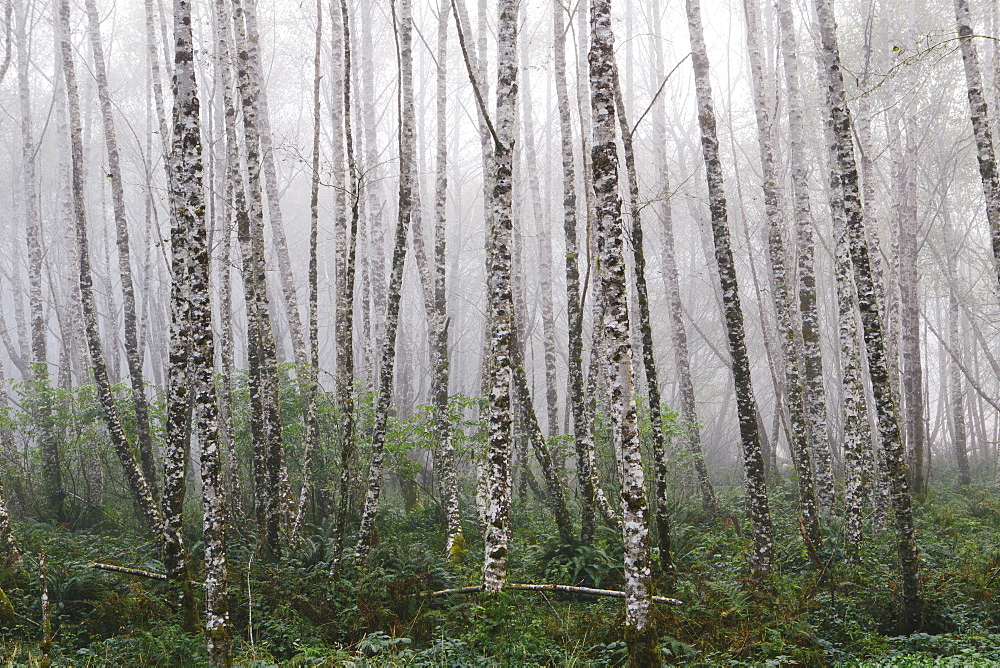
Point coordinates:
pixel 133 475
pixel 345 257
pixel 312 371
pixel 956 384
pixel 978 111
pixel 812 371
pixel 407 154
pixel 574 308
pixel 618 351
pixel 455 546
pixel 783 290
pixel 646 342
pixel 133 354
pixel 234 201
pixel 200 395
pixel 844 176
pixel 53 490
pixel 753 463
pixel 269 498
pixel 271 190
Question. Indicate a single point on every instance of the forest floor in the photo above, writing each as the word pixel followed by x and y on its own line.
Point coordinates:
pixel 294 613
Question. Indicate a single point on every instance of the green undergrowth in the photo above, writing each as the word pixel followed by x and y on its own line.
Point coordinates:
pixel 295 612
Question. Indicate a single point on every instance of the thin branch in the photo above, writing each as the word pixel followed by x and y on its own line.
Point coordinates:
pixel 127 571
pixel 659 90
pixel 474 80
pixel 551 587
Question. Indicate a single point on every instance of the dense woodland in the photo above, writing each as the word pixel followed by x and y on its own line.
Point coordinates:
pixel 373 332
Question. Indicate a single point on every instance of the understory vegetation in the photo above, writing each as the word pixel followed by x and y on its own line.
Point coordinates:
pixel 302 611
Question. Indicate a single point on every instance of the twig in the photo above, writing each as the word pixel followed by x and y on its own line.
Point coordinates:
pixel 127 571
pixel 660 90
pixel 551 587
pixel 475 80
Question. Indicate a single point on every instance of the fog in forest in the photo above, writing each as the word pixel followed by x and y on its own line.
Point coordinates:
pixel 634 331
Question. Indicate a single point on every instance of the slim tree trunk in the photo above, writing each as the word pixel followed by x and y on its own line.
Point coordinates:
pixel 199 395
pixel 574 308
pixel 618 351
pixel 455 546
pixel 233 202
pixel 812 371
pixel 844 177
pixel 312 371
pixel 753 463
pixel 133 354
pixel 53 490
pixel 783 290
pixel 980 127
pixel 133 475
pixel 648 353
pixel 407 155
pixel 269 498
pixel 956 384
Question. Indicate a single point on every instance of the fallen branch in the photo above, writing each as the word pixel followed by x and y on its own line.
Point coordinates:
pixel 550 587
pixel 127 571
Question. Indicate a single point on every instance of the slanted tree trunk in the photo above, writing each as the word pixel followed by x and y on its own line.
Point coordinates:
pixel 648 353
pixel 844 176
pixel 407 154
pixel 980 127
pixel 133 355
pixel 269 170
pixel 133 474
pixel 753 463
pixel 618 349
pixel 671 284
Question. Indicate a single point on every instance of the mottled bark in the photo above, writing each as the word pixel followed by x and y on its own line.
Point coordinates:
pixel 979 113
pixel 645 328
pixel 753 463
pixel 53 491
pixel 133 354
pixel 133 475
pixel 814 397
pixel 844 175
pixel 615 325
pixel 270 174
pixel 346 245
pixel 554 495
pixel 312 371
pixel 270 502
pixel 197 341
pixel 783 290
pixel 544 248
pixel 403 24
pixel 233 201
pixel 455 546
pixel 574 307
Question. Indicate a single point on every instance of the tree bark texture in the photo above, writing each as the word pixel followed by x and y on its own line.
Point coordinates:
pixel 753 462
